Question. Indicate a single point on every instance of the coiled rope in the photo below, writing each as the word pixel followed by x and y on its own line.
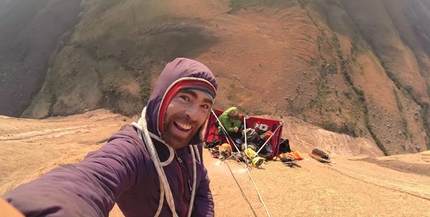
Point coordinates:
pixel 165 191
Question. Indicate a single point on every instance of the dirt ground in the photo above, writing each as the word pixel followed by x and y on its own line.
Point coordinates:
pixel 352 185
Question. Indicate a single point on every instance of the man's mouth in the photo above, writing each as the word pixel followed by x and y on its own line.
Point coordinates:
pixel 183 127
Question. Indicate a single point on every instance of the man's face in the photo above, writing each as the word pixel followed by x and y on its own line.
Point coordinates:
pixel 186 113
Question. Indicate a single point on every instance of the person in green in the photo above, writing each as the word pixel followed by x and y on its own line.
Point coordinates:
pixel 230 120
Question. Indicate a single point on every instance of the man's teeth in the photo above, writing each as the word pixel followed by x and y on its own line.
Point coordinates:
pixel 183 126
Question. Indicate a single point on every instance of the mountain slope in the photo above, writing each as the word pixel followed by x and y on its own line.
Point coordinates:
pixel 30 31
pixel 354 67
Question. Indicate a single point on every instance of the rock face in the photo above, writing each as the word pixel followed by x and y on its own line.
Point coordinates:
pixel 356 67
pixel 30 31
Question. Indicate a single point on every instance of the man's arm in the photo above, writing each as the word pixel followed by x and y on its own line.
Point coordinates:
pixel 203 202
pixel 88 188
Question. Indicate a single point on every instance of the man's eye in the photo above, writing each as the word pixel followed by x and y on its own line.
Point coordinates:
pixel 205 106
pixel 186 98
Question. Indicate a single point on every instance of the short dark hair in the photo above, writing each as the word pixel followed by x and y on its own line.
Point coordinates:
pixel 235 114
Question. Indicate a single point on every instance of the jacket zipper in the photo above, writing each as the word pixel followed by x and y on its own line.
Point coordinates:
pixel 188 174
pixel 179 163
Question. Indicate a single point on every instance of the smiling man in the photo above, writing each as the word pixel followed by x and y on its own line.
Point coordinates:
pixel 151 168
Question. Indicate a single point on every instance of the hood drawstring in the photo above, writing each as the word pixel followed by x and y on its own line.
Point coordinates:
pixel 165 191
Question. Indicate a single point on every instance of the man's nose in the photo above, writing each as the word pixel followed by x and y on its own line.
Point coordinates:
pixel 192 113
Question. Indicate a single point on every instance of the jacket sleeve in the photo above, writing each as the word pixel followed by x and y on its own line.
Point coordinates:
pixel 88 188
pixel 203 201
pixel 225 121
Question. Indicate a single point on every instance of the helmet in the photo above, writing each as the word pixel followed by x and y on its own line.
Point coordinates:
pixel 251 135
pixel 263 127
pixel 258 161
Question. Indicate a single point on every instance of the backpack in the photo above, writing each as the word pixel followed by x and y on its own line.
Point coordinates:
pixel 284 146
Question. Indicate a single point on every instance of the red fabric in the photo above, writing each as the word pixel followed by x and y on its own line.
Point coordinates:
pixel 212 130
pixel 172 92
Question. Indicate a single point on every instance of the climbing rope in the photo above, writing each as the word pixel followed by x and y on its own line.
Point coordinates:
pixel 246 168
pixel 165 191
pixel 378 182
pixel 240 188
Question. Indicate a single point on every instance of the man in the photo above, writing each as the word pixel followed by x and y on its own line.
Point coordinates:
pixel 230 122
pixel 152 168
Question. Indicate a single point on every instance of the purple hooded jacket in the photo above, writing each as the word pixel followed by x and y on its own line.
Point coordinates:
pixel 122 171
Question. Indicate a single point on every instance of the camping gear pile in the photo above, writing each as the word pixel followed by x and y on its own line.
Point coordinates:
pixel 256 139
pixel 255 145
pixel 258 144
pixel 287 156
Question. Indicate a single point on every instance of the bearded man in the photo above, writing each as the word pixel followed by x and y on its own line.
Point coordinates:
pixel 150 168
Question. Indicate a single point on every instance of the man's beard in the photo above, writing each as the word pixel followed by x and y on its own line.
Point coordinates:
pixel 174 140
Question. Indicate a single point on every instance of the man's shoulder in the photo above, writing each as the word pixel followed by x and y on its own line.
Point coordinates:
pixel 126 141
pixel 230 109
pixel 126 132
pixel 127 129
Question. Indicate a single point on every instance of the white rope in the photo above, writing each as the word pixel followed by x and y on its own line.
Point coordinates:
pixel 198 153
pixel 241 190
pixel 165 191
pixel 267 140
pixel 193 192
pixel 246 167
pixel 245 137
pixel 393 186
pixel 379 175
pixel 401 187
pixel 225 132
pixel 164 184
pixel 258 193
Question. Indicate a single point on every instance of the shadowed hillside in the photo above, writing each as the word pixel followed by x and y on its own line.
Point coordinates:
pixel 357 67
pixel 29 32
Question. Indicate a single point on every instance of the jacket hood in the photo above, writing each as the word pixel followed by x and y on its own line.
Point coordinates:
pixel 179 73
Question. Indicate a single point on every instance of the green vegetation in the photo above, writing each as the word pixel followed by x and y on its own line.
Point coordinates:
pixel 402 115
pixel 346 128
pixel 118 53
pixel 359 92
pixel 236 5
pixel 330 67
pixel 425 113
